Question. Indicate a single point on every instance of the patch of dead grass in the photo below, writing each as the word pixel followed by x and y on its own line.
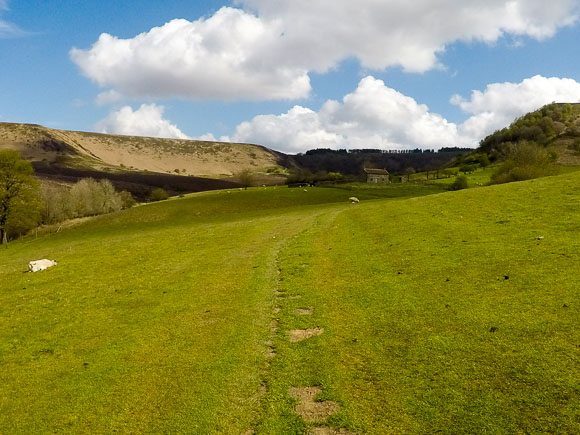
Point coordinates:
pixel 308 408
pixel 296 335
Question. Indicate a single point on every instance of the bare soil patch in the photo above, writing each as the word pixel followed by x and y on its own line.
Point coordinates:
pixel 296 335
pixel 308 408
pixel 304 311
pixel 324 430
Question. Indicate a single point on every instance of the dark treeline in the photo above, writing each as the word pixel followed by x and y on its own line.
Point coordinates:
pixel 140 185
pixel 352 162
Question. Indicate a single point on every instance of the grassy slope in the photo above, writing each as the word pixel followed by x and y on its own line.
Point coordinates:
pixel 155 319
pixel 408 294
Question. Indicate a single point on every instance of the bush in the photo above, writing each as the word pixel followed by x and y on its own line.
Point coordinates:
pixel 525 161
pixel 158 195
pixel 460 183
pixel 127 199
pixel 484 161
pixel 575 146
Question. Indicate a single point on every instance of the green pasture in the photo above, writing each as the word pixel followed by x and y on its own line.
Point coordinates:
pixel 479 177
pixel 455 312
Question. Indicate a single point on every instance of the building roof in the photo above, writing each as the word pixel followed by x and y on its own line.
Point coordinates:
pixel 376 171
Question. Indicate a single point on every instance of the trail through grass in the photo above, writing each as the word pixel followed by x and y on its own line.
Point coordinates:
pixel 454 312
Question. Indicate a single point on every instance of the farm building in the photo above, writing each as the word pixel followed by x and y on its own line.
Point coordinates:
pixel 377 175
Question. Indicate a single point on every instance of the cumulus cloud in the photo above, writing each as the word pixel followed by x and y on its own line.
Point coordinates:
pixel 146 121
pixel 222 57
pixel 298 130
pixel 500 103
pixel 266 49
pixel 373 116
pixel 410 34
pixel 376 116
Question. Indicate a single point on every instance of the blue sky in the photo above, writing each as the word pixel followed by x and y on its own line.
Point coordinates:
pixel 288 74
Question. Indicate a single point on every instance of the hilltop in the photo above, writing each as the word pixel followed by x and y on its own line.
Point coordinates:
pixel 105 152
pixel 555 126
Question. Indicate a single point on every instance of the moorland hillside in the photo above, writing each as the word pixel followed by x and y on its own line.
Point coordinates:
pixel 107 152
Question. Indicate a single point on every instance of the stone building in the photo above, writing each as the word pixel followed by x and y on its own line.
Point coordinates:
pixel 377 175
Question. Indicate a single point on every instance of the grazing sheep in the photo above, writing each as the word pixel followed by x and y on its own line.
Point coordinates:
pixel 38 265
pixel 353 200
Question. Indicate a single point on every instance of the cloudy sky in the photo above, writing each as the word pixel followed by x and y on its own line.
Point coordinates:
pixel 289 74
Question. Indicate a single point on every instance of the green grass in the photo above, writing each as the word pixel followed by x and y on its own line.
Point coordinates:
pixel 480 177
pixel 156 319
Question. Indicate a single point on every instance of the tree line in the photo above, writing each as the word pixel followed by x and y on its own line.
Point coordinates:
pixel 351 163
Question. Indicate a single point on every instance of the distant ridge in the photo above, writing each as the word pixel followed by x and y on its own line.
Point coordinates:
pixel 105 152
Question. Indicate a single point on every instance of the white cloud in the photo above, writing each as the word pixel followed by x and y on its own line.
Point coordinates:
pixel 298 130
pixel 500 103
pixel 376 116
pixel 215 58
pixel 385 33
pixel 108 97
pixel 266 50
pixel 146 121
pixel 373 116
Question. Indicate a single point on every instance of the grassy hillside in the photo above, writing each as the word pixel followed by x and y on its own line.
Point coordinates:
pixel 454 312
pixel 102 151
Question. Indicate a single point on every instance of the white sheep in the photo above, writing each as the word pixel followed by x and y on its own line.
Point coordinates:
pixel 38 265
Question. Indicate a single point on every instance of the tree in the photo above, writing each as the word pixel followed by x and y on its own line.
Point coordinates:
pixel 246 178
pixel 19 201
pixel 158 194
pixel 408 172
pixel 460 183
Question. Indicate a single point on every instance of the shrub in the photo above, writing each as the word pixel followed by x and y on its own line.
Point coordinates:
pixel 460 183
pixel 575 146
pixel 158 195
pixel 525 160
pixel 484 160
pixel 127 199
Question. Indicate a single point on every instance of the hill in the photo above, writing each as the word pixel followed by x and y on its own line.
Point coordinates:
pixel 105 152
pixel 277 310
pixel 555 126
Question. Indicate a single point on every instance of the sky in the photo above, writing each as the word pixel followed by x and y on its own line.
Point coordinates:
pixel 291 75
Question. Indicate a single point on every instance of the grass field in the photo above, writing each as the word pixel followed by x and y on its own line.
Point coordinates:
pixel 455 312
